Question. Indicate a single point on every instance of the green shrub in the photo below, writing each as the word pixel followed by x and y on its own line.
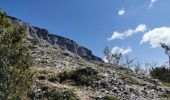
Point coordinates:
pixel 15 63
pixel 161 73
pixel 83 76
pixel 41 77
pixel 53 78
pixel 60 95
pixel 109 98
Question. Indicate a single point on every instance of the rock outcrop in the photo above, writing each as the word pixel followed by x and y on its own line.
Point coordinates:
pixel 58 41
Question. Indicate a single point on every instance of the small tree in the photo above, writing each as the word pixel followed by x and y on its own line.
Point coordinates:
pixel 112 58
pixel 15 72
pixel 108 54
pixel 167 50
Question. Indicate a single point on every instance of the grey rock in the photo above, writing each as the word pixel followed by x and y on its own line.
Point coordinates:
pixel 56 40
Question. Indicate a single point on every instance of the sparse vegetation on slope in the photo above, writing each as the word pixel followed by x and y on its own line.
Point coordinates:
pixel 15 63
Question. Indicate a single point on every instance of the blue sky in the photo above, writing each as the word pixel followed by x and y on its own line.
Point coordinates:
pixel 92 22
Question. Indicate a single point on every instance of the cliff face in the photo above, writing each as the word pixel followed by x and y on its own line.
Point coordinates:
pixel 67 44
pixel 58 41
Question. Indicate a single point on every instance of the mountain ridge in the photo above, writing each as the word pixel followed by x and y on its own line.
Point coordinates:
pixel 56 40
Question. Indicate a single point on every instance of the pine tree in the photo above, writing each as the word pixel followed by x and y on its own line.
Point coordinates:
pixel 15 72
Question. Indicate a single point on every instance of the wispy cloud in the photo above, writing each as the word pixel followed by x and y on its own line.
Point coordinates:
pixel 130 32
pixel 157 36
pixel 152 2
pixel 121 12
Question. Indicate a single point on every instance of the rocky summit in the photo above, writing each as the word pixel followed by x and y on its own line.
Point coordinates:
pixel 67 70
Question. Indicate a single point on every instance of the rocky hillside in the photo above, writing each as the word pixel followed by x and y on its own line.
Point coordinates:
pixel 58 41
pixel 68 71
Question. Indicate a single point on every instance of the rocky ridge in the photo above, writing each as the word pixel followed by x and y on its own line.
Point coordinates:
pixel 59 58
pixel 57 41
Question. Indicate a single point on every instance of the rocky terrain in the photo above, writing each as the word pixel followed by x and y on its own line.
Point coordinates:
pixel 64 67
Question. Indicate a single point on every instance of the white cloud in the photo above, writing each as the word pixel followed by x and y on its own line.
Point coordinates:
pixel 157 36
pixel 152 2
pixel 121 12
pixel 121 50
pixel 118 35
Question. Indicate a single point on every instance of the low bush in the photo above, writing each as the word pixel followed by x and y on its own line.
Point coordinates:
pixel 53 78
pixel 61 95
pixel 83 76
pixel 161 73
pixel 109 98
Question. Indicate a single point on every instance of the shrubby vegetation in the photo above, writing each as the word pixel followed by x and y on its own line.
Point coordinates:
pixel 109 98
pixel 15 63
pixel 60 95
pixel 82 76
pixel 50 92
pixel 161 73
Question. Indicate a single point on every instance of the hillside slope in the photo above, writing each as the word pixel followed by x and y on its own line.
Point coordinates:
pixel 62 65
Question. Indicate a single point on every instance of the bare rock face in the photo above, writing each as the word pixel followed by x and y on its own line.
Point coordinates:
pixel 66 43
pixel 58 41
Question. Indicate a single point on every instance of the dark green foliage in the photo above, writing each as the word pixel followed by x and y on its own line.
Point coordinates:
pixel 161 73
pixel 41 77
pixel 109 98
pixel 15 73
pixel 52 78
pixel 84 76
pixel 60 95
